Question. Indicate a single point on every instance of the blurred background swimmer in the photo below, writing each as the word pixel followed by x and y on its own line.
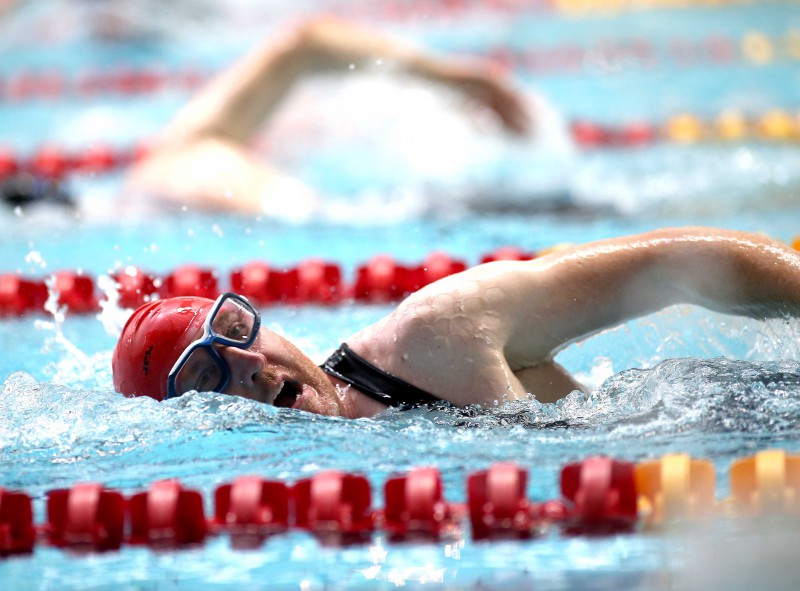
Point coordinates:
pixel 203 158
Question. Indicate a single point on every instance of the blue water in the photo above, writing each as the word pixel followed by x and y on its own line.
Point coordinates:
pixel 684 380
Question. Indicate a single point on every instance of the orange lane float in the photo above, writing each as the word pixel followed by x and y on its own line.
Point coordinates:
pixel 675 487
pixel 766 483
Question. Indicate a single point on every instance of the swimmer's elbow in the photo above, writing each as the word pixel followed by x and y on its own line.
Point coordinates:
pixel 313 35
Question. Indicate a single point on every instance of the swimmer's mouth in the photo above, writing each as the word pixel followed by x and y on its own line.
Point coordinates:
pixel 287 396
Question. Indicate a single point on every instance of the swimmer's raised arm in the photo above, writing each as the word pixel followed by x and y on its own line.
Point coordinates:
pixel 239 100
pixel 569 295
pixel 493 330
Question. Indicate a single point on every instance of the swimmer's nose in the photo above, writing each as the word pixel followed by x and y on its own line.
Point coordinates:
pixel 245 366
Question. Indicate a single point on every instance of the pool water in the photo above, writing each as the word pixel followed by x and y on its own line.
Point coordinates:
pixel 418 177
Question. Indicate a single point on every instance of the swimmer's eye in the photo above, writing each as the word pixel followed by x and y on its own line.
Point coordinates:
pixel 233 325
pixel 205 381
pixel 235 329
pixel 238 331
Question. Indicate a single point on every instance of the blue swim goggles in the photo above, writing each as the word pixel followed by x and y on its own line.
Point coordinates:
pixel 232 322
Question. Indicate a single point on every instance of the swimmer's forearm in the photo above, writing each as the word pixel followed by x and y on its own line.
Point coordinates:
pixel 572 295
pixel 738 273
pixel 723 270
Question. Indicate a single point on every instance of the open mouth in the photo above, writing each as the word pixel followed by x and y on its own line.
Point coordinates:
pixel 287 396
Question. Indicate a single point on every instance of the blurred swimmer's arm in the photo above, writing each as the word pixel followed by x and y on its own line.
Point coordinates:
pixel 571 294
pixel 332 45
pixel 237 102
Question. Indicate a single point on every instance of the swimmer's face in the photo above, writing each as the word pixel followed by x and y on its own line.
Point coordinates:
pixel 169 347
pixel 276 372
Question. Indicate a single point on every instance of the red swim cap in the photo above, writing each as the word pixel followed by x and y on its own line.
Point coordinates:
pixel 151 342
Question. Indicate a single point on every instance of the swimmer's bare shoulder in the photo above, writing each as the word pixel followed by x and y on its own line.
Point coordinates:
pixel 444 339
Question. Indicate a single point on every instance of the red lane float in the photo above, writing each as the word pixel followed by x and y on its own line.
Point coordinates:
pixel 54 162
pixel 250 509
pixel 135 287
pixel 76 291
pixel 603 492
pixel 85 517
pixel 167 515
pixel 416 508
pixel 51 162
pixel 98 159
pixel 190 280
pixel 498 506
pixel 19 296
pixel 17 532
pixel 122 80
pixel 335 506
pixel 9 163
pixel 755 48
pixel 318 282
pixel 507 253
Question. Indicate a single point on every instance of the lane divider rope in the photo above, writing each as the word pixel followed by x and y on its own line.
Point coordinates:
pixel 583 7
pixel 381 279
pixel 776 126
pixel 314 281
pixel 599 496
pixel 603 57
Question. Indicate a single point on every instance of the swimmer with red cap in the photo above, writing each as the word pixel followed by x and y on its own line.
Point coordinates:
pixel 483 336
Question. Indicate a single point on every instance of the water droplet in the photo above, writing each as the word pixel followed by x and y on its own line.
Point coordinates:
pixel 34 257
